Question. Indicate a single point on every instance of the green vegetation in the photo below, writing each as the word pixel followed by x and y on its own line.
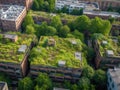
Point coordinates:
pixel 109 44
pixel 25 84
pixel 42 82
pixel 9 50
pixel 5 78
pixel 81 23
pixel 63 49
pixel 44 5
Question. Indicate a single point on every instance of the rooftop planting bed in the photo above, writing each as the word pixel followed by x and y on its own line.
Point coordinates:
pixel 55 51
pixel 9 49
pixel 109 45
pixel 49 15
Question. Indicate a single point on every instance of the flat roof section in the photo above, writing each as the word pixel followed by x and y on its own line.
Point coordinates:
pixel 14 52
pixel 10 12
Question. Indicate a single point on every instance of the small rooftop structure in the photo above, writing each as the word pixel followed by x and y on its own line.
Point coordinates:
pixel 110 53
pixel 73 42
pixel 61 63
pixel 78 55
pixel 51 42
pixel 55 88
pixel 3 86
pixel 104 42
pixel 52 14
pixel 22 48
pixel 12 37
pixel 10 12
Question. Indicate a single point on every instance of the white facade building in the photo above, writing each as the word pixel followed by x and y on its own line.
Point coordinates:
pixel 75 4
pixel 113 79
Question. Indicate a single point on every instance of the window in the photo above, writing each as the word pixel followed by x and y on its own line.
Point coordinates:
pixel 110 79
pixel 112 85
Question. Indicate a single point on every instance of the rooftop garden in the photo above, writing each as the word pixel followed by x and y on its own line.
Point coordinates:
pixel 55 51
pixel 109 46
pixel 48 15
pixel 10 50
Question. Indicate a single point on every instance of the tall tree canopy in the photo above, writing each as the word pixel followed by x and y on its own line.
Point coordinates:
pixel 25 84
pixel 56 22
pixel 82 23
pixel 99 25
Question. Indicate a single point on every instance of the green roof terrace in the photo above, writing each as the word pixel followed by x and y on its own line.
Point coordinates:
pixel 108 46
pixel 58 52
pixel 13 47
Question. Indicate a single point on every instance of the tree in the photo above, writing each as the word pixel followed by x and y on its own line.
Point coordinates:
pixel 64 9
pixel 64 31
pixel 82 23
pixel 110 8
pixel 74 87
pixel 56 22
pixel 111 19
pixel 51 5
pixel 35 5
pixel 67 84
pixel 50 31
pixel 43 81
pixel 88 72
pixel 5 78
pixel 28 21
pixel 78 35
pixel 77 12
pixel 30 29
pixel 100 78
pixel 46 6
pixel 25 84
pixel 84 83
pixel 41 4
pixel 118 10
pixel 100 26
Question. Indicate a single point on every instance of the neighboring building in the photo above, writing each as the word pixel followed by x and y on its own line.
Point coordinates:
pixel 26 3
pixel 55 88
pixel 113 79
pixel 107 53
pixel 14 55
pixel 11 17
pixel 102 14
pixel 105 4
pixel 54 57
pixel 75 4
pixel 3 86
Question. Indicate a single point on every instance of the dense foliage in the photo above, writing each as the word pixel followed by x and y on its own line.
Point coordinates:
pixel 45 5
pixel 9 49
pixel 25 84
pixel 50 55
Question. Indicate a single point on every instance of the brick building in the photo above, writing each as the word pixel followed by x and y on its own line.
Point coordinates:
pixel 11 17
pixel 15 65
pixel 26 3
pixel 105 58
pixel 104 4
